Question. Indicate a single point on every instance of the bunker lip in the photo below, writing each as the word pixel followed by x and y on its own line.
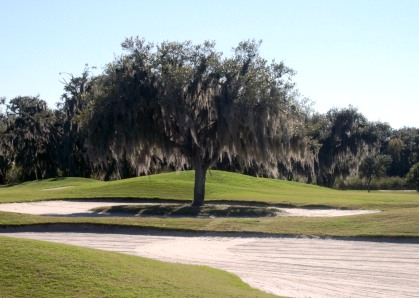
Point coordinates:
pixel 175 232
pixel 83 208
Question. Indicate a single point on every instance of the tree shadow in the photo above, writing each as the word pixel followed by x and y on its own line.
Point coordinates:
pixel 187 210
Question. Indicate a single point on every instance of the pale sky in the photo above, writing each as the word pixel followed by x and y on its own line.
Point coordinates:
pixel 363 53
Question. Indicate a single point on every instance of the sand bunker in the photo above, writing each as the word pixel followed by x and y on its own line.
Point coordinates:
pixel 294 267
pixel 82 208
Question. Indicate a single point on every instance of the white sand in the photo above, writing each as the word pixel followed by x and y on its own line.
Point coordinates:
pixel 295 267
pixel 59 208
pixel 80 208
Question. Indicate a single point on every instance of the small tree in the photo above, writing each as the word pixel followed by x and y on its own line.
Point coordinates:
pixel 374 166
pixel 413 176
pixel 189 106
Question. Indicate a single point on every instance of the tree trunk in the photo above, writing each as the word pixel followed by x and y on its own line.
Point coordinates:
pixel 199 188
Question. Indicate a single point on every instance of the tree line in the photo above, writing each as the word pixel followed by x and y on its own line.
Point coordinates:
pixel 178 105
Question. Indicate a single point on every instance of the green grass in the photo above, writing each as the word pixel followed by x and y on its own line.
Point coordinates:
pixel 40 269
pixel 400 216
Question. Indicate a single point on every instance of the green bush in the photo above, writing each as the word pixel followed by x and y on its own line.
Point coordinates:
pixel 350 183
pixel 390 183
pixel 384 183
pixel 13 175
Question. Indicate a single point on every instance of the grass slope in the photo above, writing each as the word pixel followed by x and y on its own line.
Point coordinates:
pixel 400 216
pixel 219 186
pixel 40 269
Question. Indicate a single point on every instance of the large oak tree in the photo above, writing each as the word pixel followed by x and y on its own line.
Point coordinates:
pixel 189 106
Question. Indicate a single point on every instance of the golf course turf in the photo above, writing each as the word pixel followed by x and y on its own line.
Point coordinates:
pixel 399 218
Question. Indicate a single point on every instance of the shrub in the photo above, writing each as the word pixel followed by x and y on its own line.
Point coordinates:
pixel 384 183
pixel 13 175
pixel 390 183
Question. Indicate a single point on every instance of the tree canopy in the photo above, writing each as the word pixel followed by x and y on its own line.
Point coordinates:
pixel 189 106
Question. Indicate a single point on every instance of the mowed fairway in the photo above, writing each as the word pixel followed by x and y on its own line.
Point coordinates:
pixel 398 221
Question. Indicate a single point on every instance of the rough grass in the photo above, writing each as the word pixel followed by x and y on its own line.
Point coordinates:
pixel 40 269
pixel 400 216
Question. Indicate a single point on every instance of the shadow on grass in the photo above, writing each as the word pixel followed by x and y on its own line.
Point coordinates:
pixel 207 203
pixel 186 210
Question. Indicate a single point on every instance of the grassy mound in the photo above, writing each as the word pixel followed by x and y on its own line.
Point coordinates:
pixel 400 216
pixel 40 269
pixel 189 211
pixel 220 186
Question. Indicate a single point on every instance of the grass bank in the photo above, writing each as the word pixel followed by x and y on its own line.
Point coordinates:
pixel 40 269
pixel 220 186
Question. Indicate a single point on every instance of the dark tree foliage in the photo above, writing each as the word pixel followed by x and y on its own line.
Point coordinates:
pixel 4 161
pixel 29 140
pixel 413 176
pixel 339 140
pixel 73 158
pixel 188 106
pixel 403 146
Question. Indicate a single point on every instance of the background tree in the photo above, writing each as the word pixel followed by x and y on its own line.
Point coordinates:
pixel 395 147
pixel 404 146
pixel 342 137
pixel 73 159
pixel 374 166
pixel 413 176
pixel 188 106
pixel 4 160
pixel 30 138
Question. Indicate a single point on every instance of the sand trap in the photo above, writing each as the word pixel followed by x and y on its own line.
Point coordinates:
pixel 80 208
pixel 57 208
pixel 318 212
pixel 294 267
